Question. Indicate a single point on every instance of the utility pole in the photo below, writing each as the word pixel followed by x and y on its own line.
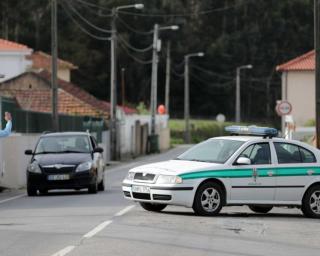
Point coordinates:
pixel 187 94
pixel 123 92
pixel 317 66
pixel 54 53
pixel 113 88
pixel 154 78
pixel 238 97
pixel 167 88
pixel 187 99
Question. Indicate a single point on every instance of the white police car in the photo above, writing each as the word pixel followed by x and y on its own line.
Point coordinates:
pixel 258 170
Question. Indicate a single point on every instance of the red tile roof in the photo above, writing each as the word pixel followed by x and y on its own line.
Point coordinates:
pixel 40 101
pixel 305 62
pixel 41 60
pixel 6 45
pixel 84 95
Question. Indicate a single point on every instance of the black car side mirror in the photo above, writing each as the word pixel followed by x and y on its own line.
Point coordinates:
pixel 98 150
pixel 28 152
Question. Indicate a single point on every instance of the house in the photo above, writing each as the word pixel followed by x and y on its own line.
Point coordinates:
pixel 42 61
pixel 298 87
pixel 32 92
pixel 13 59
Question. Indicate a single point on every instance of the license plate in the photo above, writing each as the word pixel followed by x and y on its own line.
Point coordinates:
pixel 140 189
pixel 59 177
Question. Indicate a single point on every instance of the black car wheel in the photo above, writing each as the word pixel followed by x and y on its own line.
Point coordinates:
pixel 93 188
pixel 153 207
pixel 101 185
pixel 311 202
pixel 31 191
pixel 208 199
pixel 260 209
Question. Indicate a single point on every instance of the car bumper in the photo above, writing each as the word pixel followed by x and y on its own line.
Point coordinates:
pixel 75 181
pixel 181 194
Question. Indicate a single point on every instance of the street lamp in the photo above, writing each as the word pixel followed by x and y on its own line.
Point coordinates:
pixel 238 103
pixel 154 76
pixel 113 78
pixel 187 94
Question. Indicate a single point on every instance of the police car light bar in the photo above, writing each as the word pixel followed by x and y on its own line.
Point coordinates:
pixel 252 130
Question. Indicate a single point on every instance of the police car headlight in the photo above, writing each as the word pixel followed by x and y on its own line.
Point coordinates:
pixel 169 179
pixel 86 166
pixel 34 167
pixel 130 176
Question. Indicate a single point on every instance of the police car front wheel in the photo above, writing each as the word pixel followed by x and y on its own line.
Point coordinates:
pixel 311 202
pixel 208 199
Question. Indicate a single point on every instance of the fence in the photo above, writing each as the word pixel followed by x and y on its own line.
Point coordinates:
pixel 36 122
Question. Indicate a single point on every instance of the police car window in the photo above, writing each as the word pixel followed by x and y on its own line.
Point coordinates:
pixel 215 151
pixel 289 153
pixel 258 153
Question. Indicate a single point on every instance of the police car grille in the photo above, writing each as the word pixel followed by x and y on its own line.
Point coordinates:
pixel 141 196
pixel 144 176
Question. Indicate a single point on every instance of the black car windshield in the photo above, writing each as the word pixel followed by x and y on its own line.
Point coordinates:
pixel 213 151
pixel 63 144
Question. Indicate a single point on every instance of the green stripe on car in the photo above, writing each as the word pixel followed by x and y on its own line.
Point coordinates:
pixel 245 173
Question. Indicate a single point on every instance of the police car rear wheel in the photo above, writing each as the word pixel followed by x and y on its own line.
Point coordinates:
pixel 311 203
pixel 208 199
pixel 153 207
pixel 260 209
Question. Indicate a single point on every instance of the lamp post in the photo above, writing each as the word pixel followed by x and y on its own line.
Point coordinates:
pixel 187 94
pixel 154 75
pixel 113 78
pixel 238 102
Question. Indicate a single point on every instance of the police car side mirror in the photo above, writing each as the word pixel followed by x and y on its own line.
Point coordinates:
pixel 243 161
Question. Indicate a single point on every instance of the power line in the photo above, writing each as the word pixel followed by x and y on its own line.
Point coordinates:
pixel 210 82
pixel 128 45
pixel 176 73
pixel 211 72
pixel 74 10
pixel 143 62
pixel 93 5
pixel 133 29
pixel 95 10
pixel 80 26
pixel 204 12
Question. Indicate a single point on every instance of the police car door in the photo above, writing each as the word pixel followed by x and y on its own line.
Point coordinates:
pixel 254 182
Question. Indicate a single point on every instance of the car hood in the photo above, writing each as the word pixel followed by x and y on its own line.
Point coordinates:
pixel 176 167
pixel 65 158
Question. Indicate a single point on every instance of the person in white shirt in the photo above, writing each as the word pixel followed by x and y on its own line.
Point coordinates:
pixel 7 130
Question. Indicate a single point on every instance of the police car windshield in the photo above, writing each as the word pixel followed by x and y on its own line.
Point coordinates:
pixel 213 151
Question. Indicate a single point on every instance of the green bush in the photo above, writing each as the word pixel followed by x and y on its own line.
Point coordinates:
pixel 200 130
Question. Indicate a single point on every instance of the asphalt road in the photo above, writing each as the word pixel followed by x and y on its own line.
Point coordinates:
pixel 76 223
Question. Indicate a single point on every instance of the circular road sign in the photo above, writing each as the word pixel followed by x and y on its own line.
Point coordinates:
pixel 283 108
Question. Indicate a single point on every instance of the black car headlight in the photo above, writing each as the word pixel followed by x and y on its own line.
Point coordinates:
pixel 34 167
pixel 86 166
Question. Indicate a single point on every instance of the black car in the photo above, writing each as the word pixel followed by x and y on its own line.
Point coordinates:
pixel 66 160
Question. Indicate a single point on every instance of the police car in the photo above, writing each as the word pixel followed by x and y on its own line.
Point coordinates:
pixel 251 167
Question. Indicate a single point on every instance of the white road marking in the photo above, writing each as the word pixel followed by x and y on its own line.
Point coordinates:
pixel 12 198
pixel 124 211
pixel 97 229
pixel 64 251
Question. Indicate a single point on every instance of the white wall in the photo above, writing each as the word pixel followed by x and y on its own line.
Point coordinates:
pixel 13 161
pixel 13 64
pixel 127 130
pixel 300 92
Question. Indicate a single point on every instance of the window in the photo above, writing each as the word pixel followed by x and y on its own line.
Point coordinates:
pixel 258 153
pixel 289 153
